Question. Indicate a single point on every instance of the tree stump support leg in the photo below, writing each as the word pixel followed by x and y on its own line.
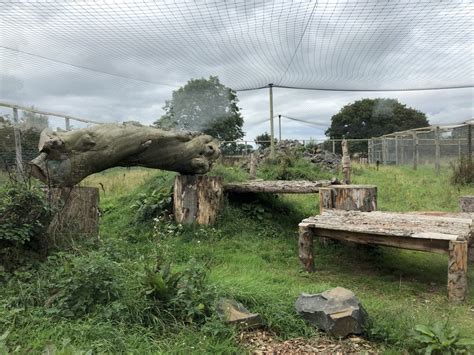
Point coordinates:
pixel 76 216
pixel 197 199
pixel 305 246
pixel 457 271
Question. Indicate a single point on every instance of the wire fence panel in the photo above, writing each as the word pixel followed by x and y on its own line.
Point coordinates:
pixel 436 145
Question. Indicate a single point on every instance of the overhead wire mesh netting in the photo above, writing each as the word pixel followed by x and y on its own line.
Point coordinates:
pixel 328 45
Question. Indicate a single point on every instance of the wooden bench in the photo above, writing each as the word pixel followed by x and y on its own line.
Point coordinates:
pixel 447 233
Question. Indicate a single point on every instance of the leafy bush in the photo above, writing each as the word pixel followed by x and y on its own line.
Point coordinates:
pixel 24 213
pixel 185 295
pixel 441 339
pixel 81 283
pixel 463 171
pixel 150 205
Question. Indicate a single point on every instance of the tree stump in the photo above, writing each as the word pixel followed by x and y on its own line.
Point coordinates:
pixel 466 203
pixel 76 215
pixel 197 199
pixel 457 271
pixel 348 197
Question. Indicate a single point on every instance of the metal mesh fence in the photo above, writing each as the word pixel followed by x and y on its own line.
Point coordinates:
pixel 435 145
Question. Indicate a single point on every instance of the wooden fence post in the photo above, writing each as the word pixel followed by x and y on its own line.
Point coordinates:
pixel 415 150
pixel 469 141
pixel 437 150
pixel 396 150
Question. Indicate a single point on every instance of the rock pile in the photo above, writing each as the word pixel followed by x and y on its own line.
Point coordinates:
pixel 325 160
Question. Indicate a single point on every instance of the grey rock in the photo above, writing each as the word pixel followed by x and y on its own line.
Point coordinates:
pixel 233 312
pixel 336 311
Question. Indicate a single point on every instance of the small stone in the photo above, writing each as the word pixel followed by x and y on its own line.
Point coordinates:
pixel 336 311
pixel 233 312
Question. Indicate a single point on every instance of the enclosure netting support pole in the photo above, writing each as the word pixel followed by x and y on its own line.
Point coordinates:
pixel 17 134
pixel 279 128
pixel 272 133
pixel 415 151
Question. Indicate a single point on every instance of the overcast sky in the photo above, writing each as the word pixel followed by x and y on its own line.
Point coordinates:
pixel 114 61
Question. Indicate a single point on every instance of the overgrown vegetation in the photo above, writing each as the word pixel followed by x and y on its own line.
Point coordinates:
pixel 150 285
pixel 463 171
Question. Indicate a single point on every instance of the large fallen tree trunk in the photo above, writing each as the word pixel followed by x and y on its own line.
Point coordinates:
pixel 68 157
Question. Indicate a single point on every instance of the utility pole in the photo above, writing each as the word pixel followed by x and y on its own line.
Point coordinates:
pixel 272 133
pixel 279 128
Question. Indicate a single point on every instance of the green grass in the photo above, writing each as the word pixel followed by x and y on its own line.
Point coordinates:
pixel 253 258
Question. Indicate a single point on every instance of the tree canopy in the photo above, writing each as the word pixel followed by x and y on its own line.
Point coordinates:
pixel 369 118
pixel 204 105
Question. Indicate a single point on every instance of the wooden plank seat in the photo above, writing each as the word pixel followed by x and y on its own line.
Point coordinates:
pixel 448 233
pixel 277 186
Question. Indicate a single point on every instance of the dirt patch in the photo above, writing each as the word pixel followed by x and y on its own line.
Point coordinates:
pixel 263 342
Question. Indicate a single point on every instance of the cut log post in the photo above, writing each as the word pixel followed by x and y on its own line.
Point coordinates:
pixel 76 215
pixel 457 271
pixel 466 203
pixel 197 199
pixel 346 162
pixel 305 247
pixel 253 166
pixel 348 197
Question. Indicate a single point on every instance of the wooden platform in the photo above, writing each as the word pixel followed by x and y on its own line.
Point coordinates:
pixel 277 186
pixel 439 232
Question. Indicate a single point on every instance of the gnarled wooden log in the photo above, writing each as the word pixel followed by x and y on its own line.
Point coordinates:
pixel 68 157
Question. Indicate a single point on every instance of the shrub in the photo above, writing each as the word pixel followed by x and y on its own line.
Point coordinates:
pixel 150 205
pixel 463 171
pixel 289 166
pixel 24 214
pixel 441 339
pixel 81 283
pixel 185 295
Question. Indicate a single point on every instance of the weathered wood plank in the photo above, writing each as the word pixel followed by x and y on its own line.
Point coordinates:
pixel 278 186
pixel 435 245
pixel 393 224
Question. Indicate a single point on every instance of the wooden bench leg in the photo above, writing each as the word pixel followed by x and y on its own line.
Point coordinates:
pixel 305 245
pixel 457 271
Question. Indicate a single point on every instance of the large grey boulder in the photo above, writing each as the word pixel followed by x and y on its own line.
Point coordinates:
pixel 336 311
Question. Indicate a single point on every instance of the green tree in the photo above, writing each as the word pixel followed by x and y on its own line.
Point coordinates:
pixel 369 118
pixel 204 105
pixel 34 120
